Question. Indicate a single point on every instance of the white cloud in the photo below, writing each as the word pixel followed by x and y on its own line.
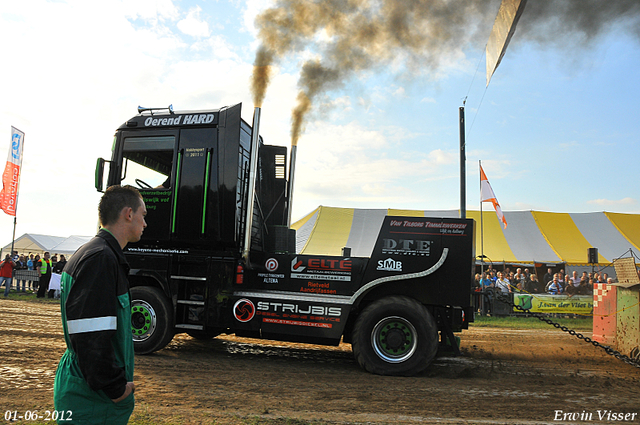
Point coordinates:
pixel 569 145
pixel 495 169
pixel 439 156
pixel 614 202
pixel 148 10
pixel 355 166
pixel 399 92
pixel 252 9
pixel 193 25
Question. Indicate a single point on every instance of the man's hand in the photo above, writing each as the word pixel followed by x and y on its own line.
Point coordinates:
pixel 131 387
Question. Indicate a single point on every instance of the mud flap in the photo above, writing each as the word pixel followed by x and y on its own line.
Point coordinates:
pixel 447 333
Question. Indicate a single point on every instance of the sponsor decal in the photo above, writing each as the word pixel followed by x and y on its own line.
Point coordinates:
pixel 180 119
pixel 335 269
pixel 427 224
pixel 440 227
pixel 317 310
pixel 158 250
pixel 271 264
pixel 338 278
pixel 406 247
pixel 407 223
pixel 561 304
pixel 296 265
pixel 16 150
pixel 390 265
pixel 297 323
pixel 244 310
pixel 271 277
pixel 155 200
pixel 319 288
pixel 194 152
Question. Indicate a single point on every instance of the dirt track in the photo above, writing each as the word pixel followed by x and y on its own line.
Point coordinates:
pixel 503 377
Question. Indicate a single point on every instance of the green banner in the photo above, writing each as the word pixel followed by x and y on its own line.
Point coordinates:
pixel 577 304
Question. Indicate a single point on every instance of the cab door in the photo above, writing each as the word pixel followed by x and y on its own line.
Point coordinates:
pixel 195 208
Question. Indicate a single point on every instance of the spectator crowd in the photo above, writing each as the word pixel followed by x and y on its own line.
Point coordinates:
pixel 13 267
pixel 523 281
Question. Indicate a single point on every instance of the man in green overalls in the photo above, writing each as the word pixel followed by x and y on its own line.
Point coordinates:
pixel 94 380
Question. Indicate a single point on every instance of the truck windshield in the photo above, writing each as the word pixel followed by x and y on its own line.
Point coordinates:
pixel 147 161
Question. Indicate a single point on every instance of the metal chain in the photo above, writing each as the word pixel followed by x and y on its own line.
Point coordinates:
pixel 502 297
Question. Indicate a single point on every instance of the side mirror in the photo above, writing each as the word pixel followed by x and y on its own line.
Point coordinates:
pixel 99 175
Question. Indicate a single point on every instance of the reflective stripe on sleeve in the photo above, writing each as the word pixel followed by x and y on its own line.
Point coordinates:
pixel 95 324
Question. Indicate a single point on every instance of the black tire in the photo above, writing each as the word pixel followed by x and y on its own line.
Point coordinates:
pixel 395 336
pixel 151 319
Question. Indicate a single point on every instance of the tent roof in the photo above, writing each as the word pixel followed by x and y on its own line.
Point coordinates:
pixel 530 237
pixel 71 244
pixel 32 242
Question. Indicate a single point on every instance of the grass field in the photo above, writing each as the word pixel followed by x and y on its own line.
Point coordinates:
pixel 584 323
pixel 29 296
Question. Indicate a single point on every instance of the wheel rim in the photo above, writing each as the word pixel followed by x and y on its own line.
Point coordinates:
pixel 394 339
pixel 143 320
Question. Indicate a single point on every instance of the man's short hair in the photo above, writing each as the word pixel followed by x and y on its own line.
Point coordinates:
pixel 116 198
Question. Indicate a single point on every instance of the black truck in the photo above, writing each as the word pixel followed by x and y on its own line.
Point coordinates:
pixel 218 255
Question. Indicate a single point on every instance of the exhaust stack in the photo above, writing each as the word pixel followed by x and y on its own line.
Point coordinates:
pixel 292 171
pixel 248 226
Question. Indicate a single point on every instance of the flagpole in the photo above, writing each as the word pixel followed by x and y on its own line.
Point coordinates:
pixel 15 219
pixel 463 174
pixel 481 218
pixel 13 238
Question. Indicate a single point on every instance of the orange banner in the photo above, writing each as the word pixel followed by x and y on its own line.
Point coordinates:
pixel 11 175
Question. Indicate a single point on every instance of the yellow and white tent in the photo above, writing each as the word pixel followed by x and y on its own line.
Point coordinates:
pixel 531 237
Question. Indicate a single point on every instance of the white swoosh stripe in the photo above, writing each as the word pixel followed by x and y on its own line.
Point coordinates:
pixel 436 266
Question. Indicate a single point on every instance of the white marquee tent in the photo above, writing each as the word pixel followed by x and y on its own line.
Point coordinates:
pixel 38 244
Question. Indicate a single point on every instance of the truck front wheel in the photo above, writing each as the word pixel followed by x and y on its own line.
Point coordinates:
pixel 395 336
pixel 151 319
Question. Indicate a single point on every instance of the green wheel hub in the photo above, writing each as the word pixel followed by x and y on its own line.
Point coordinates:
pixel 394 339
pixel 143 320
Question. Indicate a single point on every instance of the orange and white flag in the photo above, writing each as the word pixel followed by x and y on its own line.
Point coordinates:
pixel 487 195
pixel 11 175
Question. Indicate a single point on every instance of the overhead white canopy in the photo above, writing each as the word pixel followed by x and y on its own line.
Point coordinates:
pixel 38 244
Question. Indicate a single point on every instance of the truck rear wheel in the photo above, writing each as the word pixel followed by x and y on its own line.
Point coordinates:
pixel 395 336
pixel 151 319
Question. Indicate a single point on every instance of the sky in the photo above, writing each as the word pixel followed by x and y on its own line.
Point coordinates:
pixel 556 129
